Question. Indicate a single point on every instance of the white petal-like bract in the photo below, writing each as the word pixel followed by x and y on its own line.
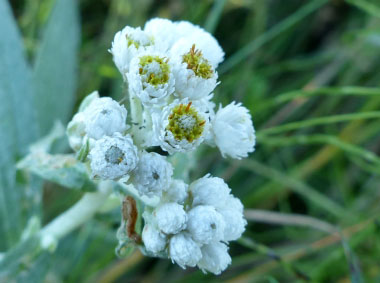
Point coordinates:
pixel 153 239
pixel 184 251
pixel 215 258
pixel 170 217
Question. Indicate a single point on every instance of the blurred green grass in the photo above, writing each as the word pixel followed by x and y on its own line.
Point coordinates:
pixel 308 72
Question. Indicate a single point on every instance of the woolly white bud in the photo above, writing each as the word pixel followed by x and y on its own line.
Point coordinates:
pixel 113 157
pixel 164 32
pixel 181 126
pixel 195 78
pixel 104 117
pixel 154 241
pixel 127 44
pixel 184 251
pixel 170 218
pixel 205 224
pixel 152 174
pixel 232 212
pixel 233 131
pixel 215 258
pixel 150 78
pixel 209 191
pixel 177 192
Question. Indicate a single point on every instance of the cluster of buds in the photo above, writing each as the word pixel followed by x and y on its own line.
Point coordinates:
pixel 170 70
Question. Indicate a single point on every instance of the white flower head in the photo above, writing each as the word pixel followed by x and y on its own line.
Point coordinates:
pixel 215 258
pixel 233 131
pixel 195 78
pixel 181 126
pixel 205 224
pixel 170 217
pixel 184 251
pixel 209 191
pixel 104 117
pixel 164 32
pixel 176 192
pixel 153 239
pixel 152 174
pixel 150 78
pixel 232 213
pixel 113 157
pixel 127 44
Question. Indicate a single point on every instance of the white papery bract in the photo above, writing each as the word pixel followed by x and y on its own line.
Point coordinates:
pixel 76 131
pixel 150 78
pixel 153 239
pixel 181 126
pixel 176 192
pixel 104 117
pixel 195 78
pixel 128 43
pixel 164 31
pixel 215 258
pixel 171 218
pixel 233 131
pixel 209 191
pixel 152 174
pixel 205 224
pixel 113 157
pixel 184 251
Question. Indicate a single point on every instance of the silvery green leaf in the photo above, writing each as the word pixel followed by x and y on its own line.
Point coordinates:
pixel 63 169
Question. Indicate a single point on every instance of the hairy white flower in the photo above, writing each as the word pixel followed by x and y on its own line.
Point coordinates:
pixel 195 78
pixel 104 117
pixel 205 224
pixel 209 191
pixel 176 192
pixel 152 174
pixel 154 241
pixel 170 218
pixel 215 258
pixel 235 223
pixel 233 131
pixel 184 251
pixel 150 78
pixel 181 126
pixel 112 157
pixel 128 43
pixel 164 32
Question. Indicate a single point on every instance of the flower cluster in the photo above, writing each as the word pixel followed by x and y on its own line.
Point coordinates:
pixel 170 70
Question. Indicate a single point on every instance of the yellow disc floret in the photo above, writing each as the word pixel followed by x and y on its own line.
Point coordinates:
pixel 156 68
pixel 196 62
pixel 185 123
pixel 137 43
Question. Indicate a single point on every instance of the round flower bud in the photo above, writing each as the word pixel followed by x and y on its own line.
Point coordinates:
pixel 164 32
pixel 76 131
pixel 232 213
pixel 194 77
pixel 215 258
pixel 104 117
pixel 209 191
pixel 181 126
pixel 184 251
pixel 128 43
pixel 151 79
pixel 170 218
pixel 177 192
pixel 233 131
pixel 152 174
pixel 113 157
pixel 205 224
pixel 154 241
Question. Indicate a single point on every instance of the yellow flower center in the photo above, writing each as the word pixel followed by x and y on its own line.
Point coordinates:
pixel 196 62
pixel 185 123
pixel 156 68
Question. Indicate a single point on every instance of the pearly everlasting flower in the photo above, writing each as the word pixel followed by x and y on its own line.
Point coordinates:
pixel 128 43
pixel 233 131
pixel 195 78
pixel 104 117
pixel 113 157
pixel 150 78
pixel 176 192
pixel 209 191
pixel 205 224
pixel 182 126
pixel 152 174
pixel 153 239
pixel 163 30
pixel 184 251
pixel 170 218
pixel 215 258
